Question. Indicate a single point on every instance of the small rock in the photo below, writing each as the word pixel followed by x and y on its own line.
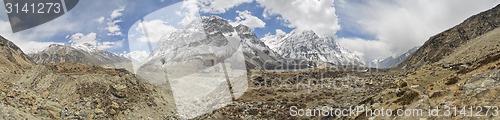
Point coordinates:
pixel 112 112
pixel 115 105
pixel 98 111
pixel 45 94
pixel 118 91
pixel 55 115
pixel 52 106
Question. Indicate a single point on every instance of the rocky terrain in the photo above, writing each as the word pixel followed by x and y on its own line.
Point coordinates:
pixel 76 91
pixel 459 67
pixel 443 44
pixel 466 77
pixel 271 94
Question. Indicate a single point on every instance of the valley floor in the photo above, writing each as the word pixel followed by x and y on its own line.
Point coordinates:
pixel 281 94
pixel 297 94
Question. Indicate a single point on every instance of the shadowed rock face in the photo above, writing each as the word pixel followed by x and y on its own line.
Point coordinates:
pixel 446 42
pixel 12 58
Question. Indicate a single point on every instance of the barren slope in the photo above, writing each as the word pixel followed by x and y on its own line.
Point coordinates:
pixel 447 42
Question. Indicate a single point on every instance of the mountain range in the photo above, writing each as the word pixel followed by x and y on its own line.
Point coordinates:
pixel 298 49
pixel 87 54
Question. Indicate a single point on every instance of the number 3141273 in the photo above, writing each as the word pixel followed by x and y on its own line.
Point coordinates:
pixel 38 8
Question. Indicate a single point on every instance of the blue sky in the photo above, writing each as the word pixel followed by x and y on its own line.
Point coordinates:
pixel 370 29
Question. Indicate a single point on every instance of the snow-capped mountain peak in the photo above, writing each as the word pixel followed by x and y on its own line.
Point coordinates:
pixel 140 56
pixel 273 41
pixel 307 45
pixel 86 47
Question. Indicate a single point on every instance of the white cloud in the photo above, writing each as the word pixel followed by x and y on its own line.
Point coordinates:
pixel 159 23
pixel 246 18
pixel 156 29
pixel 117 13
pixel 220 6
pixel 25 42
pixel 400 25
pixel 316 15
pixel 280 32
pixel 80 40
pixel 191 11
pixel 368 49
pixel 194 7
pixel 100 20
pixel 113 27
pixel 110 45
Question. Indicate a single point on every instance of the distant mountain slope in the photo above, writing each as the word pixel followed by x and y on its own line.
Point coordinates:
pixel 55 54
pixel 392 61
pixel 446 42
pixel 307 45
pixel 12 58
